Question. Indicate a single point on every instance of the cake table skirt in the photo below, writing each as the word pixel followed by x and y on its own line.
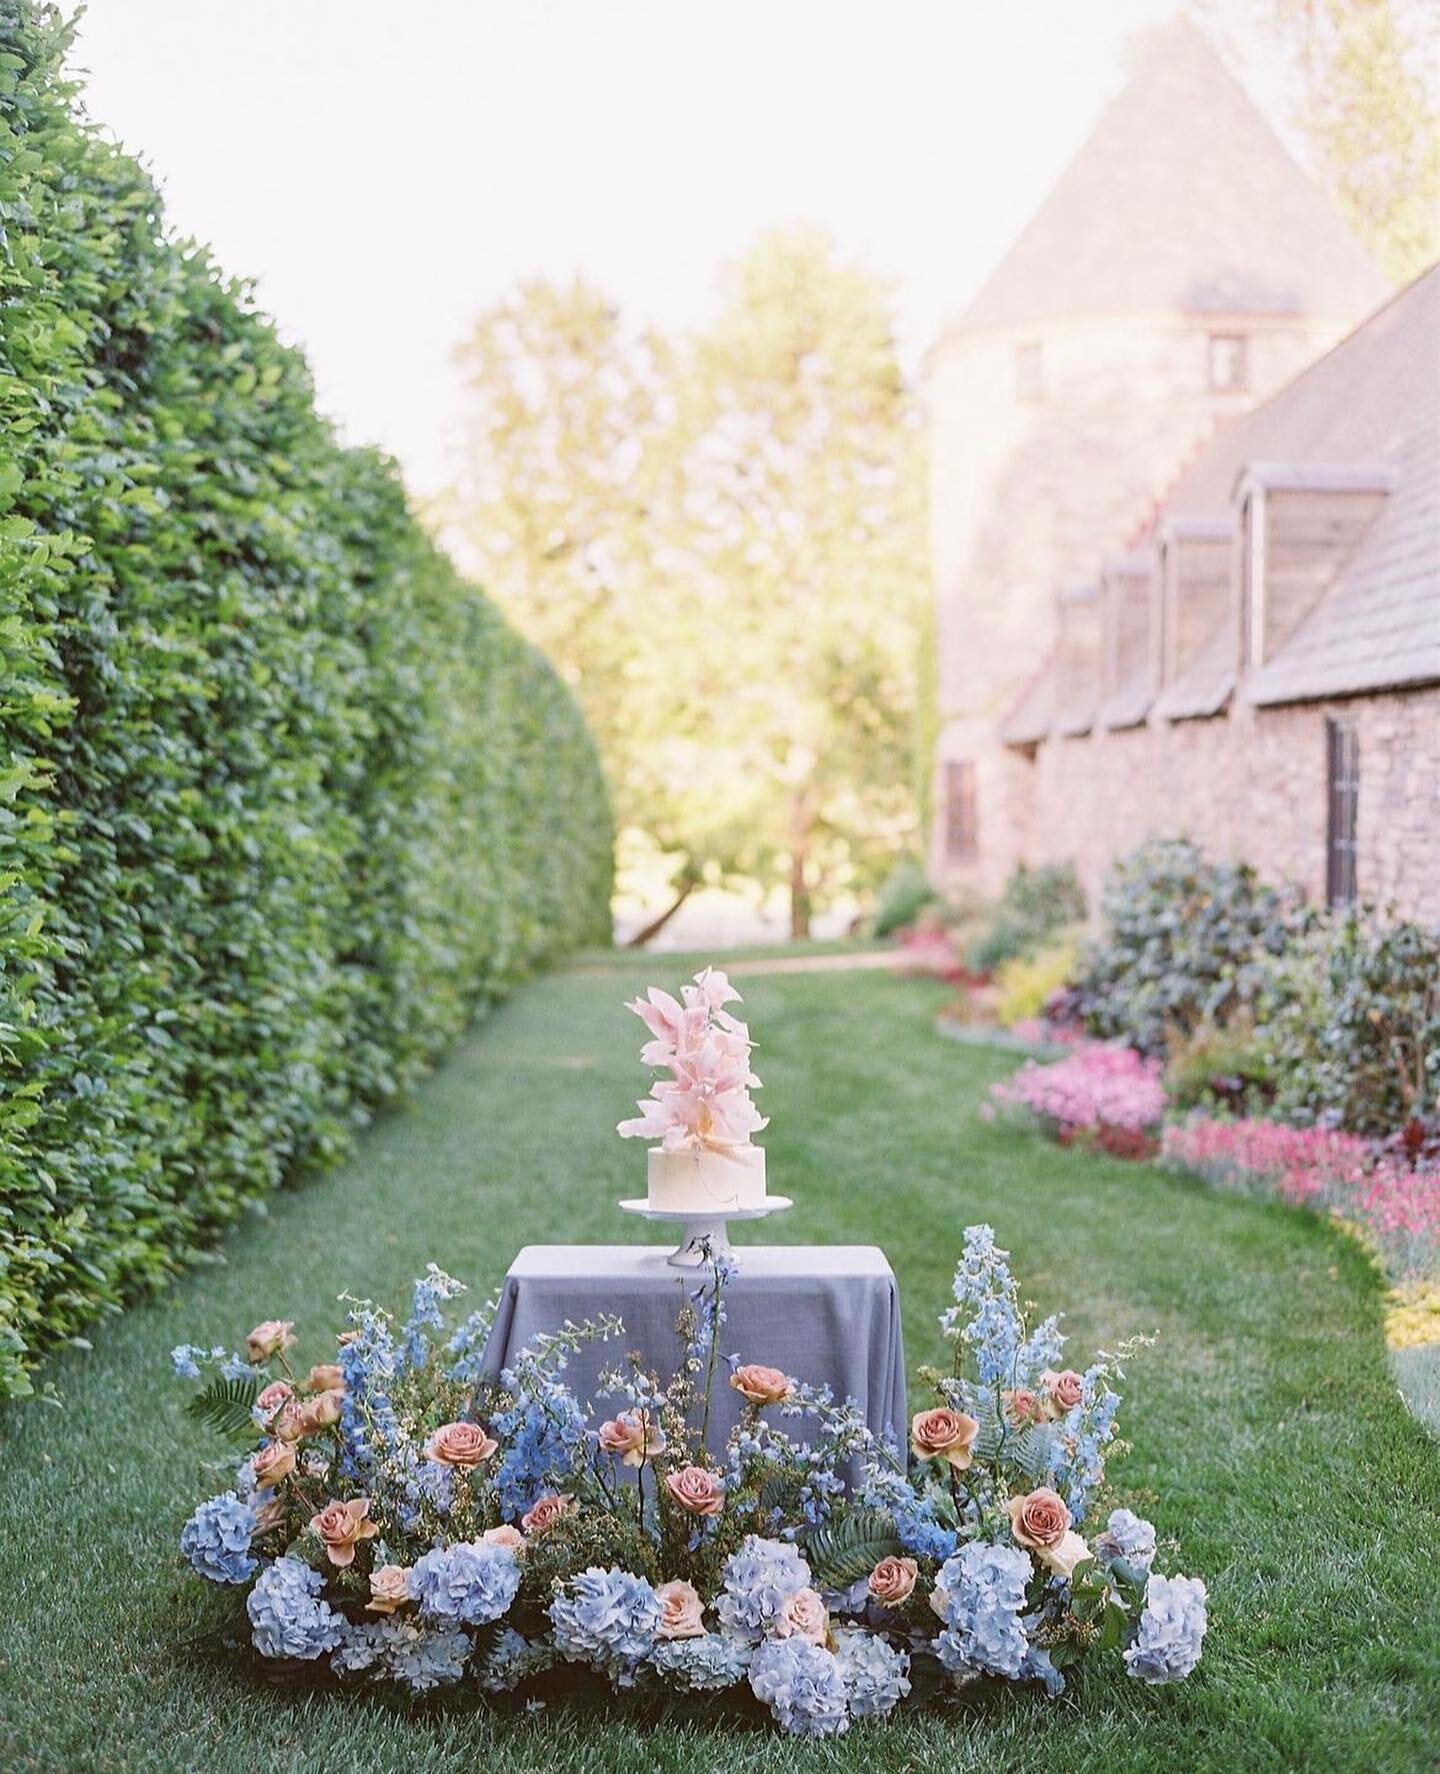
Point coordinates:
pixel 826 1314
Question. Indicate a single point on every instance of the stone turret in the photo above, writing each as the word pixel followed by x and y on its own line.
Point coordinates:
pixel 1183 268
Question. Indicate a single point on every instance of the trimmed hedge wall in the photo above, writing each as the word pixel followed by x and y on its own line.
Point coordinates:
pixel 283 801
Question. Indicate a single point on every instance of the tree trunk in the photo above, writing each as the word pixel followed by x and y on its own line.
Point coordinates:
pixel 800 827
pixel 688 884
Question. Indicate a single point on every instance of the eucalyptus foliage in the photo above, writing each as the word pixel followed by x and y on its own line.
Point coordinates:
pixel 283 801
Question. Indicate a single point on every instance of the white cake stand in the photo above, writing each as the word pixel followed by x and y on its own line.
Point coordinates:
pixel 703 1230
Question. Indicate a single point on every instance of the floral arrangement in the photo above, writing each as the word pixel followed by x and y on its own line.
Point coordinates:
pixel 1102 1094
pixel 705 1102
pixel 398 1517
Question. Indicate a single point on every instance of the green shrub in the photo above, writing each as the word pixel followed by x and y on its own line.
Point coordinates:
pixel 1033 906
pixel 1185 942
pixel 1351 1024
pixel 1024 985
pixel 1220 1068
pixel 901 900
pixel 283 802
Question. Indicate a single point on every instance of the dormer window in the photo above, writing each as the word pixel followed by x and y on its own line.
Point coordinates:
pixel 1229 363
pixel 1029 371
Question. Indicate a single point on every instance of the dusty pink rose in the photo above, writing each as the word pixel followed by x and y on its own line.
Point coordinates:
pixel 546 1511
pixel 761 1385
pixel 804 1616
pixel 684 1615
pixel 276 1460
pixel 293 1421
pixel 269 1516
pixel 634 1436
pixel 695 1490
pixel 1024 1408
pixel 326 1376
pixel 893 1581
pixel 504 1535
pixel 1065 1390
pixel 943 1434
pixel 341 1527
pixel 277 1394
pixel 466 1445
pixel 389 1589
pixel 1040 1521
pixel 270 1338
pixel 317 1413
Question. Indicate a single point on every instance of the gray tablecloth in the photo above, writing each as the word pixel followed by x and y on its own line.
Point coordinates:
pixel 821 1313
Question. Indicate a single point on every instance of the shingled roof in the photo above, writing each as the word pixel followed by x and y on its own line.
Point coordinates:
pixel 1183 163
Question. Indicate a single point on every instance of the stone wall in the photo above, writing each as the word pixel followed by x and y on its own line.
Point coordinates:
pixel 1251 785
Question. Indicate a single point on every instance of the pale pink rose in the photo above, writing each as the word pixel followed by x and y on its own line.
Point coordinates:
pixel 269 1515
pixel 389 1589
pixel 504 1535
pixel 340 1528
pixel 276 1460
pixel 761 1385
pixel 461 1444
pixel 327 1376
pixel 943 1434
pixel 803 1616
pixel 546 1511
pixel 634 1436
pixel 684 1615
pixel 695 1490
pixel 277 1394
pixel 893 1581
pixel 269 1338
pixel 1065 1390
pixel 293 1421
pixel 1063 1557
pixel 1024 1408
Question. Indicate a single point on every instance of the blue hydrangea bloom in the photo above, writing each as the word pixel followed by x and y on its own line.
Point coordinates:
pixel 802 1685
pixel 607 1618
pixel 759 1579
pixel 286 1619
pixel 1038 1667
pixel 216 1539
pixel 875 1674
pixel 512 1660
pixel 983 1591
pixel 469 1584
pixel 1128 1536
pixel 1172 1628
pixel 705 1664
pixel 423 1657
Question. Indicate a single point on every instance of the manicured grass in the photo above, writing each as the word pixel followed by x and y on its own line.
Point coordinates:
pixel 1267 1435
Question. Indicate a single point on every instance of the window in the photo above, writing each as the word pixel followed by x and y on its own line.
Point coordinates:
pixel 1342 745
pixel 1229 362
pixel 1029 371
pixel 962 838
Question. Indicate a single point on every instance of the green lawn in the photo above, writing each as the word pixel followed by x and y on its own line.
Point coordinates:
pixel 1268 1439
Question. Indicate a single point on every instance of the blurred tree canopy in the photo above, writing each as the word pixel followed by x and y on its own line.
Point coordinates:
pixel 1368 104
pixel 719 539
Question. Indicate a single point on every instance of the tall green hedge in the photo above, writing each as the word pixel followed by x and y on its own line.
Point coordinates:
pixel 282 799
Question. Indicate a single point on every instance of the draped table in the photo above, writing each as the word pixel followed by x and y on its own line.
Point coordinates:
pixel 825 1314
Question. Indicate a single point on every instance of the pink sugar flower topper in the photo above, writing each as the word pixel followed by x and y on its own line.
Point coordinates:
pixel 705 1102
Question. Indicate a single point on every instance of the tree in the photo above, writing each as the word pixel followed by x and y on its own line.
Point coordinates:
pixel 1368 76
pixel 719 541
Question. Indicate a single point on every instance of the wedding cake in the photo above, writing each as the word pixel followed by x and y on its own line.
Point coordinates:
pixel 702 1115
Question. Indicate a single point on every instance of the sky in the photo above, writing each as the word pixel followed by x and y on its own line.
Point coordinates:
pixel 385 171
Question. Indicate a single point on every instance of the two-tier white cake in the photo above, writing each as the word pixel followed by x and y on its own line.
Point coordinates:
pixel 702 1115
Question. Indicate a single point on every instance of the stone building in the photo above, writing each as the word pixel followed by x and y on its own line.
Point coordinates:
pixel 1263 674
pixel 1182 269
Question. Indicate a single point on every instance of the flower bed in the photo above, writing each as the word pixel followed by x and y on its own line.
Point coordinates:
pixel 1107 1096
pixel 397 1517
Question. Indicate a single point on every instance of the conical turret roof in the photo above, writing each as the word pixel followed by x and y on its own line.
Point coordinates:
pixel 1182 199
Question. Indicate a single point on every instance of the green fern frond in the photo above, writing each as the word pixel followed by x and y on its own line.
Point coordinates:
pixel 225 1406
pixel 849 1548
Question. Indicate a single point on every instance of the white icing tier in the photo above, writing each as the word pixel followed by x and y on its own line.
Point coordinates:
pixel 700 1181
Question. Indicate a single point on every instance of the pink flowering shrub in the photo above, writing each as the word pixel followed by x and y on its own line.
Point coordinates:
pixel 1395 1203
pixel 1107 1096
